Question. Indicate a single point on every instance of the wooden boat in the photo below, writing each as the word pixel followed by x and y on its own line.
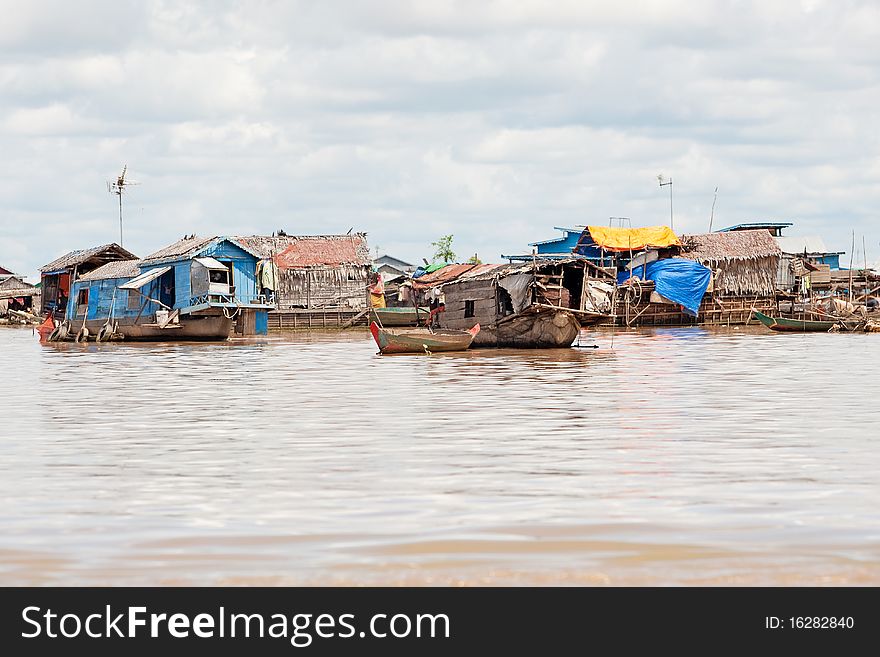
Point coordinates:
pixel 421 340
pixel 399 316
pixel 785 324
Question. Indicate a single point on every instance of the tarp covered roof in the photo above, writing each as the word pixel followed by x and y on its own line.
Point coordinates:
pixel 678 279
pixel 629 239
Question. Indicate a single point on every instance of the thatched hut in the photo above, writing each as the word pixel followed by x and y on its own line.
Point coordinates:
pixel 317 271
pixel 58 276
pixel 744 263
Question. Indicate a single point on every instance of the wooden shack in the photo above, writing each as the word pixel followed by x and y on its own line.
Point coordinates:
pixel 537 304
pixel 317 272
pixel 17 296
pixel 744 268
pixel 58 276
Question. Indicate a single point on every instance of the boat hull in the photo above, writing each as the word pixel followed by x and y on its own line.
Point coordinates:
pixel 200 328
pixel 786 325
pixel 420 341
pixel 399 316
pixel 535 328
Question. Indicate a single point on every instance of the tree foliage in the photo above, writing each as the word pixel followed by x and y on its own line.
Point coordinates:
pixel 444 250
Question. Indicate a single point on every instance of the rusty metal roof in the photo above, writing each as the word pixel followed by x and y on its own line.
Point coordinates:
pixel 299 251
pixel 441 276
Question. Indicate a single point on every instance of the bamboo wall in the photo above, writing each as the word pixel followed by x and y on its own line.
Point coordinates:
pixel 323 287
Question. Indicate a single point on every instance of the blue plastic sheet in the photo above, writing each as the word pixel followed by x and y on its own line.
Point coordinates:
pixel 679 280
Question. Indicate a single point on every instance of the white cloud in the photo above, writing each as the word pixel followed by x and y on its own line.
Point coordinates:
pixel 494 121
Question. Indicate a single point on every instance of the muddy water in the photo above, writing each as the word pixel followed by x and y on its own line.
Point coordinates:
pixel 677 456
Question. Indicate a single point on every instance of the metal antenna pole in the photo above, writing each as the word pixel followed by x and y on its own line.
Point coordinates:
pixel 712 214
pixel 120 216
pixel 664 184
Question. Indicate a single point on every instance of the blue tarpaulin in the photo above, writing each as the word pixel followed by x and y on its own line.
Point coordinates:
pixel 679 280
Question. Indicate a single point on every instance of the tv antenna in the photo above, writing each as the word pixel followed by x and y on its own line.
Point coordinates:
pixel 118 187
pixel 712 214
pixel 663 183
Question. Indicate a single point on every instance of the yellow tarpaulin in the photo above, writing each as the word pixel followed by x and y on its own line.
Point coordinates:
pixel 635 239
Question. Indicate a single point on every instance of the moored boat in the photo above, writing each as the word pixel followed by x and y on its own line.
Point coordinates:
pixel 399 316
pixel 538 304
pixel 788 325
pixel 421 340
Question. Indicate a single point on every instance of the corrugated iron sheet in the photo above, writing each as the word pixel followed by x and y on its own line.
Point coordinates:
pixel 302 251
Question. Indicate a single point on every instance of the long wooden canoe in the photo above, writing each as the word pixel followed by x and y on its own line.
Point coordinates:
pixel 797 325
pixel 421 340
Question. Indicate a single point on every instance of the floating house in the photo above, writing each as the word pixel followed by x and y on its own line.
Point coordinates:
pixel 317 272
pixel 743 263
pixel 391 268
pixel 56 277
pixel 16 295
pixel 559 248
pixel 802 257
pixel 194 289
pixel 542 303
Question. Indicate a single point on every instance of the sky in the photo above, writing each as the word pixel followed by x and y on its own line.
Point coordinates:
pixel 492 121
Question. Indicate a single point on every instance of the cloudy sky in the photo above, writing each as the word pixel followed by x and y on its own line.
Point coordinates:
pixel 494 121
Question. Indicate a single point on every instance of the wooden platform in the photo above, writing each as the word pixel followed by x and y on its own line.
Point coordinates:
pixel 714 311
pixel 329 318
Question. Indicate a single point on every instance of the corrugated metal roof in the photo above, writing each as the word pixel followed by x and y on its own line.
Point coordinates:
pixel 456 273
pixel 148 276
pixel 441 276
pixel 210 263
pixel 298 251
pixel 112 250
pixel 754 225
pixel 809 243
pixel 119 269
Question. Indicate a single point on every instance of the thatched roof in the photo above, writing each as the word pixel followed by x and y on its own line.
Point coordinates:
pixel 121 269
pixel 94 257
pixel 189 247
pixel 735 245
pixel 12 286
pixel 744 262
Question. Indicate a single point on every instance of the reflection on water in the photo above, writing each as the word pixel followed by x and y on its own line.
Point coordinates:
pixel 676 456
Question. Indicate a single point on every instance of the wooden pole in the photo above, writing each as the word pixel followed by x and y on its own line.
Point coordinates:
pixel 851 255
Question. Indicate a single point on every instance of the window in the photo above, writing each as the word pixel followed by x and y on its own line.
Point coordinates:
pixel 82 301
pixel 219 276
pixel 468 308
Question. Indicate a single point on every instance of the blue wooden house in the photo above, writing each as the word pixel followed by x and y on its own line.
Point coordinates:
pixel 558 248
pixel 196 288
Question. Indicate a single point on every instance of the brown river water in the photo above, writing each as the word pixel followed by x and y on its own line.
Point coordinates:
pixel 665 457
